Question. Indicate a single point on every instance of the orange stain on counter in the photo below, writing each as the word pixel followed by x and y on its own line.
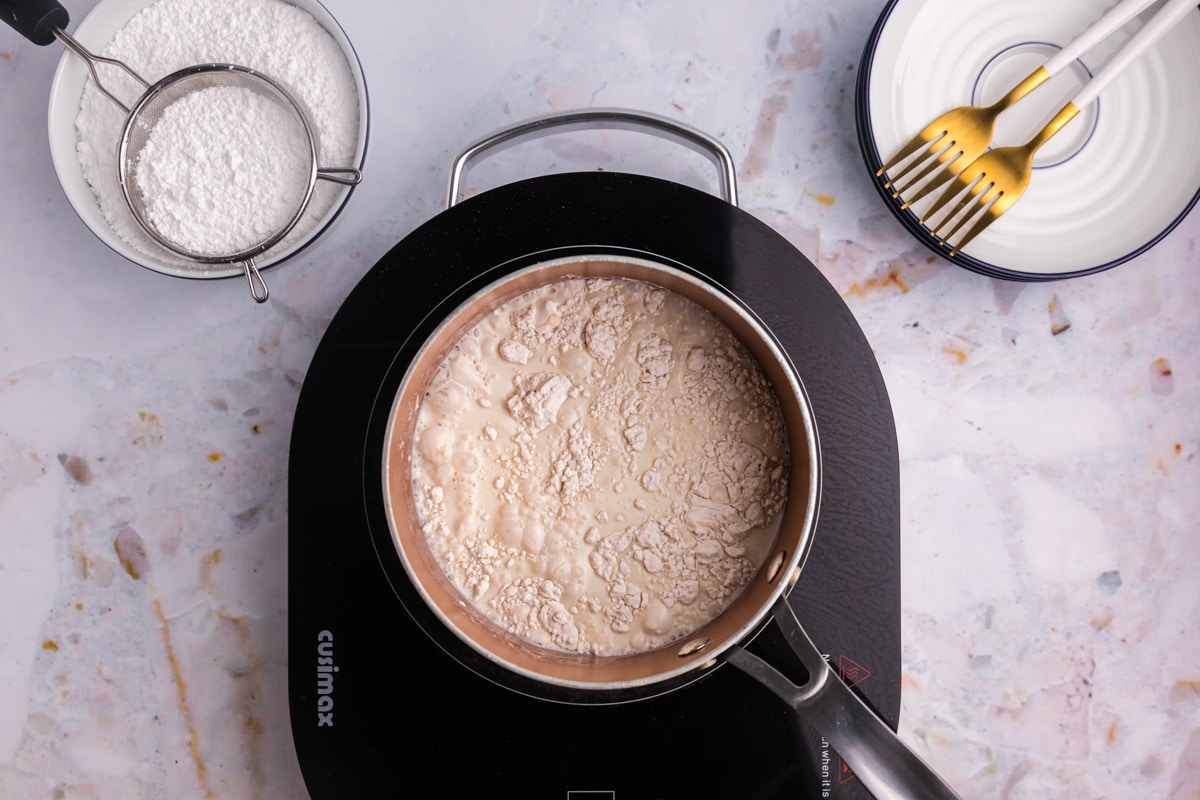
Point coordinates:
pixel 1059 323
pixel 891 278
pixel 184 708
pixel 131 552
pixel 823 199
pixel 50 644
pixel 214 457
pixel 206 568
pixel 960 355
pixel 1189 689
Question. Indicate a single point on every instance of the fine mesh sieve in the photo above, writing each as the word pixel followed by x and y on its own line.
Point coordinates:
pixel 43 21
pixel 148 112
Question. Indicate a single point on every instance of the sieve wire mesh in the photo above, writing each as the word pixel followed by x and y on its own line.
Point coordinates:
pixel 148 113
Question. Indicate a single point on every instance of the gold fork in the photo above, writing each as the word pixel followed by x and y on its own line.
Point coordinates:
pixel 993 182
pixel 962 134
pixel 957 137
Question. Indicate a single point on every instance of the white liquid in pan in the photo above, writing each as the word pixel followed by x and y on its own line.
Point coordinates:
pixel 600 466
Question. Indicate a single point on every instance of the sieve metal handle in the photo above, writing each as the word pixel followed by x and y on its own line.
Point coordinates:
pixel 254 279
pixel 93 60
pixel 36 20
pixel 347 176
pixel 43 21
pixel 880 759
pixel 596 119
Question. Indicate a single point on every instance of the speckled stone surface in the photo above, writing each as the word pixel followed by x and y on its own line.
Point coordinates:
pixel 1048 432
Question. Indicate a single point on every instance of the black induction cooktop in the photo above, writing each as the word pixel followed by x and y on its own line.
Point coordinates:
pixel 380 709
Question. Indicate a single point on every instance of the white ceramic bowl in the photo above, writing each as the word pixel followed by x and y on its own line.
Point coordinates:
pixel 94 32
pixel 1106 188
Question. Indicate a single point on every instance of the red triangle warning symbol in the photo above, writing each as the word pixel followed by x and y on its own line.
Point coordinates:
pixel 851 672
pixel 844 773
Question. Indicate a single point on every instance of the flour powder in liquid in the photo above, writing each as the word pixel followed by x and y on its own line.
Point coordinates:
pixel 600 466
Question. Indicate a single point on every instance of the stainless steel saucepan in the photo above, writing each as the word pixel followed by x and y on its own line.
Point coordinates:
pixel 880 760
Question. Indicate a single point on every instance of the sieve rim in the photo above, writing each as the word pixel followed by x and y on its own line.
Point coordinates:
pixel 123 161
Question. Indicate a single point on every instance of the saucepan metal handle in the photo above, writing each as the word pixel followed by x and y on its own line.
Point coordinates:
pixel 880 760
pixel 597 119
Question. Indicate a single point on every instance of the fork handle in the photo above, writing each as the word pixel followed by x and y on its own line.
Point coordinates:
pixel 1112 19
pixel 1172 12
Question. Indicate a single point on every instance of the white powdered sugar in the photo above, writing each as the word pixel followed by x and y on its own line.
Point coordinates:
pixel 275 38
pixel 223 169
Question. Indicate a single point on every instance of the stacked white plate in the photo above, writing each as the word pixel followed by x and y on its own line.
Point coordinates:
pixel 1109 186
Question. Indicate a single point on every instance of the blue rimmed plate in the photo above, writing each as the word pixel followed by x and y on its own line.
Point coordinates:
pixel 1111 185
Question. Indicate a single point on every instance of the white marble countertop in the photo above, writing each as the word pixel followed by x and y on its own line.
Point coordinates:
pixel 1049 475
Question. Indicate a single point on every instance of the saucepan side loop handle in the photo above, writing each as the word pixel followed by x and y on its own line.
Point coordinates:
pixel 597 119
pixel 880 760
